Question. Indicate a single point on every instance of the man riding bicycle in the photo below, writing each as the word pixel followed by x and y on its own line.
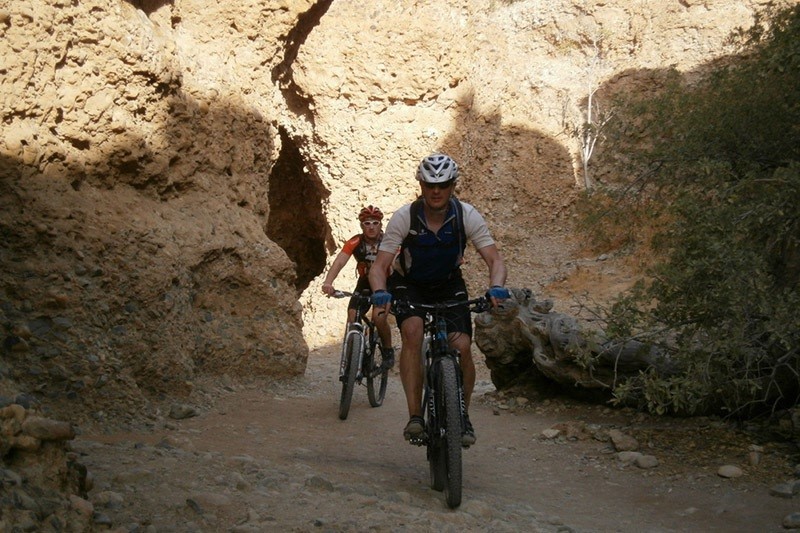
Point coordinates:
pixel 364 247
pixel 432 234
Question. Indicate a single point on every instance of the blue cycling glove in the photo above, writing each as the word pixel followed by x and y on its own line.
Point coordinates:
pixel 501 293
pixel 380 298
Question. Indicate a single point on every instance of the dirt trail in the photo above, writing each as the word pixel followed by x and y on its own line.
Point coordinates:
pixel 275 457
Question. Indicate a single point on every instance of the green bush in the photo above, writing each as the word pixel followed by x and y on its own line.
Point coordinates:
pixel 719 167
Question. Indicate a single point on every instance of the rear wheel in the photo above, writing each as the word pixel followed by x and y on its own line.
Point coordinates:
pixel 352 349
pixel 377 377
pixel 452 432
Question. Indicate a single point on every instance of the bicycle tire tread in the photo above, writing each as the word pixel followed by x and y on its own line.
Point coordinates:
pixel 353 349
pixel 453 430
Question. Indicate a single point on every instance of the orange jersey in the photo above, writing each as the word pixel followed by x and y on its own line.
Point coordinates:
pixel 364 252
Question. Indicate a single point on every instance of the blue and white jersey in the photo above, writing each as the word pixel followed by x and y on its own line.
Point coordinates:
pixel 427 256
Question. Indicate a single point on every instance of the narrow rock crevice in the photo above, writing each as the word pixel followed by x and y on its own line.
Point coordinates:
pixel 296 221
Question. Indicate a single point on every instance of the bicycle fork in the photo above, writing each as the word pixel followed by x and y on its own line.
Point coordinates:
pixel 355 329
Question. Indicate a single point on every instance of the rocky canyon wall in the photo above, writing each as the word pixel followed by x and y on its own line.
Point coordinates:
pixel 500 85
pixel 175 176
pixel 137 146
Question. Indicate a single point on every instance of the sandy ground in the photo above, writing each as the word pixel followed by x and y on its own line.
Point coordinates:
pixel 275 457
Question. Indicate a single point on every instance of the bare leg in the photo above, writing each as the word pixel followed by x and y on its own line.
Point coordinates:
pixel 410 366
pixel 463 343
pixel 379 317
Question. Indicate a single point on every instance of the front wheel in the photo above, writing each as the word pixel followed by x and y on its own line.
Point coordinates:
pixel 352 350
pixel 451 409
pixel 377 376
pixel 437 464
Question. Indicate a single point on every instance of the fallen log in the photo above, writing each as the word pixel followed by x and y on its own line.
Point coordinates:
pixel 527 341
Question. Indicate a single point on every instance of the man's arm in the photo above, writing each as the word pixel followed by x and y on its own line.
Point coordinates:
pixel 379 269
pixel 336 267
pixel 497 269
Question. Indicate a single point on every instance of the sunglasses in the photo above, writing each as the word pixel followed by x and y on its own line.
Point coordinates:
pixel 444 185
pixel 371 223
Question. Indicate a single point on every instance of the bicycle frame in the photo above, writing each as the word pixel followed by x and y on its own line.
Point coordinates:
pixel 361 325
pixel 443 389
pixel 357 361
pixel 436 345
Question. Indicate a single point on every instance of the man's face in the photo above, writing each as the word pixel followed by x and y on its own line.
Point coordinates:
pixel 437 195
pixel 371 227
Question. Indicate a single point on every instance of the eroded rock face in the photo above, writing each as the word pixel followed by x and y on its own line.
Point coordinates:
pixel 135 201
pixel 501 86
pixel 176 174
pixel 42 483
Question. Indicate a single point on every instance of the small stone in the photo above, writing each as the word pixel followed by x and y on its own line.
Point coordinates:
pixel 15 411
pixel 783 490
pixel 25 443
pixel 550 433
pixel 17 344
pixel 208 499
pixel 9 478
pixel 317 482
pixel 109 500
pixel 181 411
pixel 792 521
pixel 102 519
pixel 83 507
pixel 754 458
pixel 47 429
pixel 22 331
pixel 729 471
pixel 646 461
pixel 623 442
pixel 628 457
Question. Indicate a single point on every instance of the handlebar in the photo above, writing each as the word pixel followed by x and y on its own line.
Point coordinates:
pixel 345 294
pixel 476 305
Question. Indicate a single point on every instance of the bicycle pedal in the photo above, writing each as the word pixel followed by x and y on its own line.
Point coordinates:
pixel 418 441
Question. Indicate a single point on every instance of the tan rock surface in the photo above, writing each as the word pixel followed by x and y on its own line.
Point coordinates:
pixel 175 176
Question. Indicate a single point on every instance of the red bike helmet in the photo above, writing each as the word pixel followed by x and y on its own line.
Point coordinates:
pixel 370 212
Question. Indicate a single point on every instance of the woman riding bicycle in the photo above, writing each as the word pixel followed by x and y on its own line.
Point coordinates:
pixel 364 247
pixel 432 234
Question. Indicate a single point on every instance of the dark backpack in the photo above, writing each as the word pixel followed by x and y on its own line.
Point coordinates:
pixel 428 251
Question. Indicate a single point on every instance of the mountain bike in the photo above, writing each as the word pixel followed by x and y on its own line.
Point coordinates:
pixel 362 357
pixel 443 404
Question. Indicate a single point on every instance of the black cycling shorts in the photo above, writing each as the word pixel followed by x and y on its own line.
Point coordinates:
pixel 458 318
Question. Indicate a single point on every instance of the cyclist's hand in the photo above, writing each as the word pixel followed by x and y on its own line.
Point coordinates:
pixel 496 294
pixel 380 298
pixel 328 289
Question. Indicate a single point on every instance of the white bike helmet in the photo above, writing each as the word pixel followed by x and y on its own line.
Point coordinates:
pixel 437 168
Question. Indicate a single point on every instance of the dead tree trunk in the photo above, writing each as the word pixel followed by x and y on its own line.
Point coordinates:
pixel 527 341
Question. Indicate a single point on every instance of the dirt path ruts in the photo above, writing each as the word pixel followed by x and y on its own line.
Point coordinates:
pixel 275 457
